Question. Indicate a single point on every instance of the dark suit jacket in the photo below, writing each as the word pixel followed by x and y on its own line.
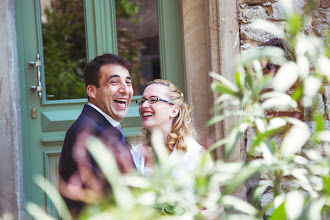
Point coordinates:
pixel 98 125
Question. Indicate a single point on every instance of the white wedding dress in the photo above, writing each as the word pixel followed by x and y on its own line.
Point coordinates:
pixel 183 162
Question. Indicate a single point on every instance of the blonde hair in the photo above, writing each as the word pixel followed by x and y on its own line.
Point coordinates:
pixel 182 125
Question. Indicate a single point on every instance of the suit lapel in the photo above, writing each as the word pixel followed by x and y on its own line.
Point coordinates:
pixel 96 116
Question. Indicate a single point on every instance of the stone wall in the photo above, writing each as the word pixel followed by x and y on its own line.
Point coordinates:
pixel 269 10
pixel 11 160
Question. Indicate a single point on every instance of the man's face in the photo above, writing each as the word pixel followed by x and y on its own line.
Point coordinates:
pixel 114 95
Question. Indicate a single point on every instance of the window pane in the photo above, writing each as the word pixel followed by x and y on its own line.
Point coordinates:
pixel 138 39
pixel 64 48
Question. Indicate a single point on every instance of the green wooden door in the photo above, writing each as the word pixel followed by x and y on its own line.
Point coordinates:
pixel 45 120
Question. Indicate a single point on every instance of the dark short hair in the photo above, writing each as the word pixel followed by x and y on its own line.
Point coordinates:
pixel 92 69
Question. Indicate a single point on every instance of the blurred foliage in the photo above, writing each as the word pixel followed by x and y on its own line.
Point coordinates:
pixel 64 49
pixel 291 156
pixel 64 46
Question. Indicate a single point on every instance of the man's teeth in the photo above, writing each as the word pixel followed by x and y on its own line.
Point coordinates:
pixel 121 100
pixel 147 114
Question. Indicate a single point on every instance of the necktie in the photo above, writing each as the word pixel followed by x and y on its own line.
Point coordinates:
pixel 122 133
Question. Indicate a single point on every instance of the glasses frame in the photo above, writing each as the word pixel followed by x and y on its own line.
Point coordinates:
pixel 139 101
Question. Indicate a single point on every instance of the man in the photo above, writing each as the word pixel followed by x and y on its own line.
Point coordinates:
pixel 109 89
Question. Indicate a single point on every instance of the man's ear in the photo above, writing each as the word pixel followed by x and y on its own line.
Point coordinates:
pixel 175 111
pixel 91 90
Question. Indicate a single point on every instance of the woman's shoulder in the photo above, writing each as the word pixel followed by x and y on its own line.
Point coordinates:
pixel 193 145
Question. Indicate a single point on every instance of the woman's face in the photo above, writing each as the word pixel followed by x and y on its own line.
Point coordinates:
pixel 158 115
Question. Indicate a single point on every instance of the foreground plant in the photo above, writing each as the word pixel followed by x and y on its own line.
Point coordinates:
pixel 296 176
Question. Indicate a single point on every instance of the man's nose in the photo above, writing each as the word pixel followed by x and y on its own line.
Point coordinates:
pixel 123 88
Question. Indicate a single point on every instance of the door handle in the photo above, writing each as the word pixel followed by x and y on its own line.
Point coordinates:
pixel 36 64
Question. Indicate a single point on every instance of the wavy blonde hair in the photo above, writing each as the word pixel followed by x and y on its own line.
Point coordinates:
pixel 182 125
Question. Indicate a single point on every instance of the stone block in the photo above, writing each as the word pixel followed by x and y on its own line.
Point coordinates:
pixel 243 5
pixel 321 20
pixel 252 2
pixel 258 36
pixel 246 46
pixel 277 14
pixel 267 198
pixel 254 12
pixel 298 6
pixel 325 4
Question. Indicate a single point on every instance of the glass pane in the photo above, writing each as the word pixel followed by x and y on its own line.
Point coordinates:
pixel 64 48
pixel 138 39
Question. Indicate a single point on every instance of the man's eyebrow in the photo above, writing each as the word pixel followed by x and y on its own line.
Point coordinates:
pixel 112 76
pixel 117 76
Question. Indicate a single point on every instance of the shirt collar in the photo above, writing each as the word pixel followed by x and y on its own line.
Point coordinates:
pixel 111 120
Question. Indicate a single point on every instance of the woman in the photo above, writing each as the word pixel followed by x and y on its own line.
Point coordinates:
pixel 162 107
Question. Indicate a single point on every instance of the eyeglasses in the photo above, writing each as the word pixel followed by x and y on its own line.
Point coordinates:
pixel 151 100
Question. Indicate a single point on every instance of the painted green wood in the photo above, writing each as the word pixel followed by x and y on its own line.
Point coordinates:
pixel 58 120
pixel 170 37
pixel 50 168
pixel 46 132
pixel 100 26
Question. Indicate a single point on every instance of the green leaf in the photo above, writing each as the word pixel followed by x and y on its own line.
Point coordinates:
pixel 223 89
pixel 239 217
pixel 224 81
pixel 238 79
pixel 277 101
pixel 107 162
pixel 249 80
pixel 294 204
pixel 259 190
pixel 319 120
pixel 38 213
pixel 222 117
pixel 294 22
pixel 261 137
pixel 314 211
pixel 53 195
pixel 278 213
pixel 326 182
pixel 295 138
pixel 229 104
pixel 233 138
pixel 297 94
pixel 216 145
pixel 286 76
pixel 239 205
pixel 240 178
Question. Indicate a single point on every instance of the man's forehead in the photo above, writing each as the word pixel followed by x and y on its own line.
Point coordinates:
pixel 114 70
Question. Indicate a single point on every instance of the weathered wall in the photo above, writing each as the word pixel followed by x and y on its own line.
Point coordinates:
pixel 269 10
pixel 11 174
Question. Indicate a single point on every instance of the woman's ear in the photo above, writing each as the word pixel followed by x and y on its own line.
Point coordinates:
pixel 91 91
pixel 175 111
